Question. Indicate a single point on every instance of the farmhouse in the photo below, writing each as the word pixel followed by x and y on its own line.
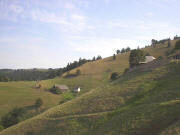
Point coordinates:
pixel 62 88
pixel 147 59
pixel 77 89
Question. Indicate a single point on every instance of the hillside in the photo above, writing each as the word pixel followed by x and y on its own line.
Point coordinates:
pixel 142 102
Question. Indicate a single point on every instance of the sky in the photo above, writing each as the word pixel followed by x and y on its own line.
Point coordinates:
pixel 51 33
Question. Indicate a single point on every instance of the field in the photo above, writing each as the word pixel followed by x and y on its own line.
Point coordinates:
pixel 141 102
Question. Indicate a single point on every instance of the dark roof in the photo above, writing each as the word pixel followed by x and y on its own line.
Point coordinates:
pixel 63 87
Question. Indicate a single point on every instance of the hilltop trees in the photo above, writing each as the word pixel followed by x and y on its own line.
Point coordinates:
pixel 123 50
pixel 135 57
pixel 99 57
pixel 176 37
pixel 177 45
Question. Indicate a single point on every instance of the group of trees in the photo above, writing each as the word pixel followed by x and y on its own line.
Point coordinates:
pixel 136 56
pixel 17 115
pixel 176 37
pixel 28 75
pixel 40 74
pixel 98 58
pixel 123 50
pixel 154 42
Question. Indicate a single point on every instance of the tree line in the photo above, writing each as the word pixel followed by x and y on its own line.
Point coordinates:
pixel 40 74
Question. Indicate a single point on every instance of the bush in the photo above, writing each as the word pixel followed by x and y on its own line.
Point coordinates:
pixel 55 90
pixel 126 70
pixel 148 54
pixel 38 103
pixel 160 58
pixel 66 97
pixel 114 76
pixel 13 117
pixel 177 45
pixel 1 128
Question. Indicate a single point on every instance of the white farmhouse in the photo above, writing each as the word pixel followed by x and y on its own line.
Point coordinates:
pixel 77 89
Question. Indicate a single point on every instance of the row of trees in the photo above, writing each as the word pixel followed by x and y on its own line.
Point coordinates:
pixel 123 50
pixel 176 37
pixel 154 42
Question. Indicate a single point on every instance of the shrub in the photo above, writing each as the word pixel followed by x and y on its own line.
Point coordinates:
pixel 13 117
pixel 114 76
pixel 148 54
pixel 38 103
pixel 66 97
pixel 177 45
pixel 160 58
pixel 126 70
pixel 1 128
pixel 55 90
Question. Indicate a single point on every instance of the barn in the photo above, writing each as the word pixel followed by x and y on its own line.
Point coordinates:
pixel 62 88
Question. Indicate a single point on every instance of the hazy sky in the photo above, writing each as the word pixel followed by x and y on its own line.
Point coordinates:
pixel 51 33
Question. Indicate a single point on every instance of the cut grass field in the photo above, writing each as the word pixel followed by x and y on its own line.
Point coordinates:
pixel 138 103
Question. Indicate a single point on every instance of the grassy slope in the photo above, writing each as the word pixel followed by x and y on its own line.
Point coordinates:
pixel 131 105
pixel 93 74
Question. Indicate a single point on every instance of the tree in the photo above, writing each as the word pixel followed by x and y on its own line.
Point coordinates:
pixel 118 51
pixel 128 49
pixel 38 103
pixel 78 72
pixel 176 37
pixel 114 75
pixel 94 58
pixel 98 57
pixel 114 57
pixel 169 43
pixel 153 41
pixel 135 57
pixel 123 50
pixel 177 45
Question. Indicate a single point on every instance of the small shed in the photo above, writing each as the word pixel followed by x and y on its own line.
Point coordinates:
pixel 77 89
pixel 148 59
pixel 62 88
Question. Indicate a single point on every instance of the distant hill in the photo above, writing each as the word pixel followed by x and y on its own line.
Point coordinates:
pixel 141 102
